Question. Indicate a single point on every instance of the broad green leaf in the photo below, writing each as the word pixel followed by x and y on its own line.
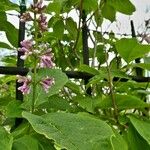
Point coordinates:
pixel 109 12
pixel 58 29
pixel 71 27
pixel 10 30
pixel 68 130
pixel 8 5
pixel 123 6
pixel 130 49
pixel 87 69
pixel 60 79
pixel 26 142
pixel 118 142
pixel 123 102
pixel 142 127
pixel 13 109
pixel 6 140
pixel 5 45
pixel 134 140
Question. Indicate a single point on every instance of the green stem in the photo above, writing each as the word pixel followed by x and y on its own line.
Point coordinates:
pixel 35 65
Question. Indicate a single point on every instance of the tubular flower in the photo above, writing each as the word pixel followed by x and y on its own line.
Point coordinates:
pixel 25 88
pixel 26 48
pixel 47 83
pixel 26 17
pixel 46 60
pixel 38 7
pixel 43 25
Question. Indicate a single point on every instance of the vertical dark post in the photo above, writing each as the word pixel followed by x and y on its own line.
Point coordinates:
pixel 85 45
pixel 21 35
pixel 20 62
pixel 139 71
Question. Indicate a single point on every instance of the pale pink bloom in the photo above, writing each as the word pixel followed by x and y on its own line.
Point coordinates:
pixel 26 48
pixel 25 88
pixel 46 60
pixel 47 83
pixel 26 17
pixel 43 25
pixel 38 7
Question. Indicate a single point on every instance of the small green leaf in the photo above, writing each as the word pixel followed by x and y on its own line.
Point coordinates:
pixel 130 49
pixel 87 69
pixel 10 30
pixel 71 27
pixel 68 130
pixel 74 87
pixel 109 12
pixel 58 29
pixel 6 140
pixel 88 6
pixel 142 127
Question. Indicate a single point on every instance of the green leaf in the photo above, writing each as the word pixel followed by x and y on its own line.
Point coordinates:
pixel 123 6
pixel 134 140
pixel 88 6
pixel 141 65
pixel 5 45
pixel 8 5
pixel 109 12
pixel 130 49
pixel 58 29
pixel 68 130
pixel 142 127
pixel 71 27
pixel 44 143
pixel 56 103
pixel 118 142
pixel 87 103
pixel 123 102
pixel 10 30
pixel 73 87
pixel 6 140
pixel 87 69
pixel 26 142
pixel 60 79
pixel 13 109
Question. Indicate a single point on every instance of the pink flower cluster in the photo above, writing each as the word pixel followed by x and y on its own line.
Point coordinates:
pixel 25 88
pixel 42 53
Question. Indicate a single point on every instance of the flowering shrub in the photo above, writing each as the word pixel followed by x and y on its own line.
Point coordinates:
pixel 104 106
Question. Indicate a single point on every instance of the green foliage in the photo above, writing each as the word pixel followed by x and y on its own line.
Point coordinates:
pixel 68 130
pixel 6 139
pixel 108 110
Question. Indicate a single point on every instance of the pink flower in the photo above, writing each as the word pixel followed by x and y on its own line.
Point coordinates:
pixel 47 83
pixel 26 17
pixel 38 7
pixel 25 88
pixel 46 60
pixel 26 48
pixel 43 25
